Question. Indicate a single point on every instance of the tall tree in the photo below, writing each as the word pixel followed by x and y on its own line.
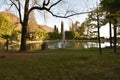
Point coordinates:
pixel 62 26
pixel 30 5
pixel 81 29
pixel 98 25
pixel 55 29
pixel 74 26
pixel 92 19
pixel 98 16
pixel 112 7
pixel 110 20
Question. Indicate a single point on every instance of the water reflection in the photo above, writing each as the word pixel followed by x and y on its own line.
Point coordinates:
pixel 76 44
pixel 59 44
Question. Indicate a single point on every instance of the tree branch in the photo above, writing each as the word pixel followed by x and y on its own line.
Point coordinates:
pixel 20 12
pixel 14 5
pixel 66 16
pixel 55 4
pixel 46 4
pixel 18 8
pixel 60 16
pixel 38 8
pixel 10 7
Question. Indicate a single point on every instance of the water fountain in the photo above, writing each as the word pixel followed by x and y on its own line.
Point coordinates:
pixel 62 43
pixel 63 39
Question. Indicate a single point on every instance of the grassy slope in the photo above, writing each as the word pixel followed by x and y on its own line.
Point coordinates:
pixel 63 64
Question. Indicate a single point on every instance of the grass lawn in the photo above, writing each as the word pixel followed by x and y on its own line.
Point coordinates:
pixel 61 64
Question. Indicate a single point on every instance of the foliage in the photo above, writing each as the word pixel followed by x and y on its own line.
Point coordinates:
pixel 81 30
pixel 78 30
pixel 7 28
pixel 53 35
pixel 62 26
pixel 55 28
pixel 74 26
pixel 110 5
pixel 92 20
pixel 39 34
pixel 42 34
pixel 69 35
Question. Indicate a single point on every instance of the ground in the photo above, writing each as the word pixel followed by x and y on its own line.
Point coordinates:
pixel 60 64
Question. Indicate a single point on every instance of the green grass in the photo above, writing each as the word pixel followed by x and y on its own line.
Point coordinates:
pixel 61 64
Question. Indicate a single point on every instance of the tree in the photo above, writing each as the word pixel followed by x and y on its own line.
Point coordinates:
pixel 81 29
pixel 41 33
pixel 55 29
pixel 54 35
pixel 74 26
pixel 7 29
pixel 98 16
pixel 112 8
pixel 70 35
pixel 62 26
pixel 109 18
pixel 30 5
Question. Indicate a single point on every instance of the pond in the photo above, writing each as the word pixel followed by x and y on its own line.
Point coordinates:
pixel 76 44
pixel 59 44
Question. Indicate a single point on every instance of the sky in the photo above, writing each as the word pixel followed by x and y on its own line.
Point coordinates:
pixel 77 5
pixel 80 6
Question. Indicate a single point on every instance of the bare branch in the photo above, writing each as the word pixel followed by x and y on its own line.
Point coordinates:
pixel 46 3
pixel 55 4
pixel 18 8
pixel 10 7
pixel 20 15
pixel 38 8
pixel 15 5
pixel 66 16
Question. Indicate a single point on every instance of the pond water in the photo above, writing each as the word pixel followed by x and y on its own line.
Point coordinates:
pixel 59 44
pixel 76 44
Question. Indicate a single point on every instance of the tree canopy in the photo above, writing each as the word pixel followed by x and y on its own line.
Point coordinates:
pixel 6 26
pixel 111 5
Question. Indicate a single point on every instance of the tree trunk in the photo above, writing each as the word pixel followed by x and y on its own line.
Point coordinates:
pixel 7 44
pixel 100 49
pixel 24 27
pixel 23 37
pixel 115 36
pixel 110 38
pixel 98 24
